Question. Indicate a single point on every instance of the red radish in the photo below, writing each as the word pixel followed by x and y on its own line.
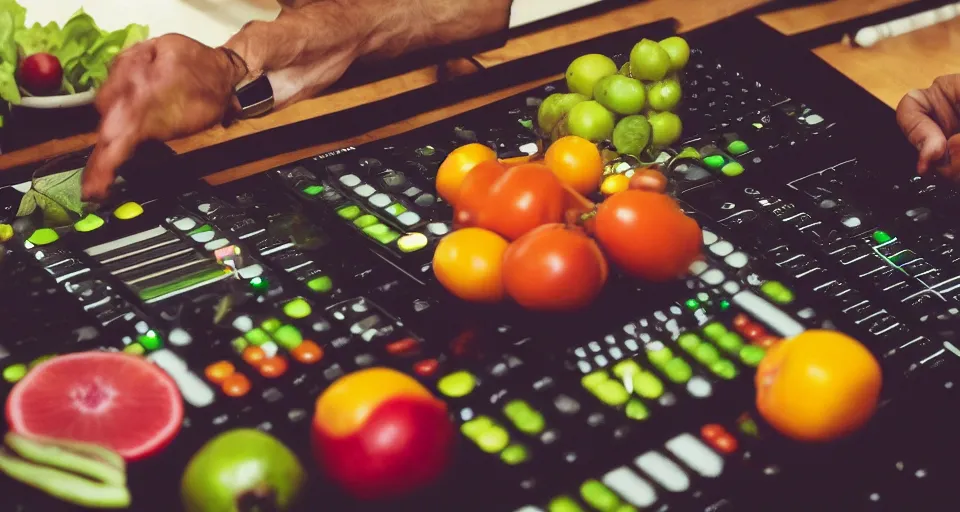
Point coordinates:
pixel 41 74
pixel 116 400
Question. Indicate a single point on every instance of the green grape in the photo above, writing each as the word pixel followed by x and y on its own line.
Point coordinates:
pixel 678 50
pixel 584 72
pixel 666 128
pixel 632 135
pixel 625 69
pixel 591 121
pixel 554 108
pixel 620 94
pixel 648 61
pixel 664 95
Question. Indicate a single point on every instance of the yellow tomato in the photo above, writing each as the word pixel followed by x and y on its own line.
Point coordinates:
pixel 577 162
pixel 469 264
pixel 456 166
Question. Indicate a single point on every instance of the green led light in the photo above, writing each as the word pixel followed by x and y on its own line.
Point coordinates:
pixel 259 284
pixel 881 237
pixel 150 340
pixel 692 304
pixel 527 123
pixel 724 305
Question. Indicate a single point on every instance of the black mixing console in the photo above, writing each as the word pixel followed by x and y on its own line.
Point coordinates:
pixel 812 217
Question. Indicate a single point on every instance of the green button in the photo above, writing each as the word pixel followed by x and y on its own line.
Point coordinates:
pixel 527 419
pixel 88 223
pixel 239 344
pixel 737 147
pixel 751 355
pixel 677 370
pixel 43 236
pixel 777 292
pixel 457 384
pixel 612 393
pixel 724 369
pixel 396 209
pixel 14 373
pixel 288 337
pixel 647 385
pixel 882 237
pixel 473 428
pixel 366 221
pixel 660 357
pixel 706 354
pixel 412 242
pixel 563 504
pixel 514 454
pixel 637 410
pixel 313 190
pixel 257 336
pixel 322 284
pixel 202 229
pixel 625 370
pixel 381 233
pixel 688 341
pixel 493 439
pixel 714 161
pixel 297 308
pixel 692 304
pixel 599 496
pixel 135 349
pixel 6 232
pixel 127 211
pixel 260 284
pixel 730 342
pixel 714 330
pixel 149 342
pixel 593 380
pixel 271 324
pixel 732 169
pixel 689 152
pixel 349 212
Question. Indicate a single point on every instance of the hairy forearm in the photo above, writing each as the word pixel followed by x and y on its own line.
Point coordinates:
pixel 311 32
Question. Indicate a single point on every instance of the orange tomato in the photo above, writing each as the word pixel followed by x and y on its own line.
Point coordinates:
pixel 510 202
pixel 469 264
pixel 456 167
pixel 554 268
pixel 577 162
pixel 647 235
pixel 818 386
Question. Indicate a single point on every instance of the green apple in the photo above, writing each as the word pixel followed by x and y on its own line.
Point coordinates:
pixel 666 128
pixel 590 120
pixel 240 470
pixel 649 61
pixel 678 50
pixel 585 71
pixel 554 108
pixel 620 94
pixel 664 95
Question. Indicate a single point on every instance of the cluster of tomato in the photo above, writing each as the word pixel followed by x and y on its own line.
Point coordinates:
pixel 525 229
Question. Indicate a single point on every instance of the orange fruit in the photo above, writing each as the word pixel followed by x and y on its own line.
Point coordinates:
pixel 818 386
pixel 456 166
pixel 577 162
pixel 469 264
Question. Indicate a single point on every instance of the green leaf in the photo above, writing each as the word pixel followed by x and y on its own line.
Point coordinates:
pixel 58 195
pixel 8 83
pixel 223 308
pixel 28 204
pixel 40 38
pixel 8 46
pixel 17 12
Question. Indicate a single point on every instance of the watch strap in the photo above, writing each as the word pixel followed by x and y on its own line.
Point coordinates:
pixel 256 97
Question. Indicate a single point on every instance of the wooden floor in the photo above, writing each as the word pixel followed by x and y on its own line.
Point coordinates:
pixel 888 70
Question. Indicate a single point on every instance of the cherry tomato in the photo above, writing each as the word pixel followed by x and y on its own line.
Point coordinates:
pixel 554 268
pixel 474 191
pixel 457 165
pixel 577 162
pixel 522 198
pixel 651 180
pixel 469 264
pixel 613 184
pixel 647 235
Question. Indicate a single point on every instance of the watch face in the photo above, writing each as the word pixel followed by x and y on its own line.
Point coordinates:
pixel 256 98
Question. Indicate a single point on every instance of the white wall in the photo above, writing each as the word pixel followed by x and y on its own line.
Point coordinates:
pixel 213 21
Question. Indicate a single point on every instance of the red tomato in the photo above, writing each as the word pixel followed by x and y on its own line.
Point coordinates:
pixel 647 235
pixel 41 74
pixel 519 200
pixel 554 268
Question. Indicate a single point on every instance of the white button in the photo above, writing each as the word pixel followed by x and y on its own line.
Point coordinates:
pixel 721 248
pixel 204 208
pixel 204 237
pixel 195 391
pixel 438 228
pixel 185 224
pixel 697 267
pixel 696 455
pixel 216 244
pixel 709 238
pixel 630 487
pixel 243 323
pixel 713 277
pixel 731 287
pixel 365 190
pixel 698 387
pixel 251 271
pixel 664 471
pixel 380 200
pixel 530 148
pixel 409 218
pixel 814 119
pixel 350 180
pixel 737 260
pixel 270 348
pixel 179 338
pixel 768 314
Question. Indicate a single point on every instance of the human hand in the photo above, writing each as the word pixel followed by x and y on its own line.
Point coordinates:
pixel 160 89
pixel 930 118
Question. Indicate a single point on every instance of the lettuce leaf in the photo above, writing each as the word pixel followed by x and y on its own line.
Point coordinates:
pixel 40 38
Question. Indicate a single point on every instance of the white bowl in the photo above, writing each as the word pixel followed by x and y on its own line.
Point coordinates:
pixel 62 101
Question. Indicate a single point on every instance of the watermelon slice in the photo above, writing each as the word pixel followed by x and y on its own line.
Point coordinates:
pixel 116 400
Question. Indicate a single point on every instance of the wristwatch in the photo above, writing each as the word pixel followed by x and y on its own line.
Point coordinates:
pixel 255 97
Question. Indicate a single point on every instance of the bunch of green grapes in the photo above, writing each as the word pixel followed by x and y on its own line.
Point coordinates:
pixel 631 106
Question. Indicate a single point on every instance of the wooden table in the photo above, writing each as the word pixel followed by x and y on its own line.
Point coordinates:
pixel 888 70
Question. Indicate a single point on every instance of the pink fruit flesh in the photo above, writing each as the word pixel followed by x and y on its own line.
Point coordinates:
pixel 41 74
pixel 116 400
